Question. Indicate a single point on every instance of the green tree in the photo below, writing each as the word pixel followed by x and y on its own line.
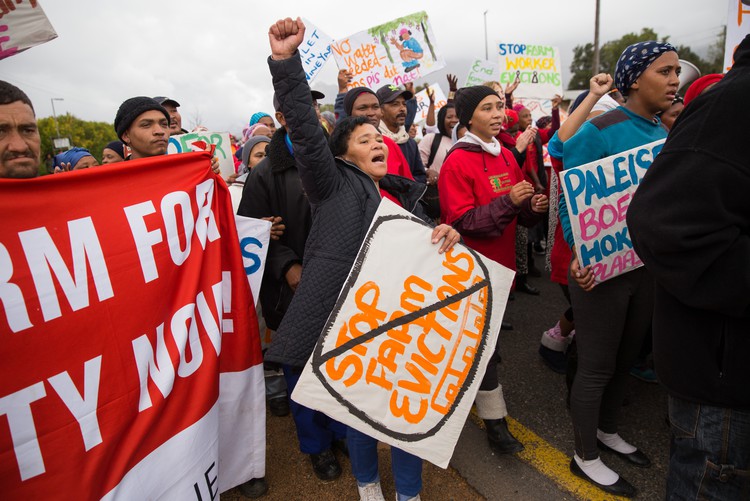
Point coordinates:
pixel 583 55
pixel 93 136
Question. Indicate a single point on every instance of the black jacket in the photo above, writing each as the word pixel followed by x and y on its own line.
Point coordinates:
pixel 274 188
pixel 343 201
pixel 690 224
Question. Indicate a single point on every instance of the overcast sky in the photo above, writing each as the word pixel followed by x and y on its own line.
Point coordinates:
pixel 211 55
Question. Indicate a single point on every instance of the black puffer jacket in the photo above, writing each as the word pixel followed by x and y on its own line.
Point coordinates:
pixel 343 200
pixel 274 188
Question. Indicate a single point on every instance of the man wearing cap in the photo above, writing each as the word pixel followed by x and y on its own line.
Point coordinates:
pixel 392 100
pixel 20 143
pixel 175 119
pixel 274 189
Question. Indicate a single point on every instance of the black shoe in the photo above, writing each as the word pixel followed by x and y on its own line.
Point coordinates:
pixel 636 458
pixel 500 438
pixel 526 288
pixel 620 488
pixel 279 406
pixel 341 446
pixel 325 465
pixel 254 488
pixel 506 326
pixel 555 360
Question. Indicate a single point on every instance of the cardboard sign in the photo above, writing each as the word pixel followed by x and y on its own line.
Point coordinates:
pixel 598 195
pixel 315 50
pixel 482 71
pixel 254 235
pixel 738 27
pixel 403 352
pixel 536 66
pixel 394 53
pixel 201 141
pixel 131 359
pixel 23 25
pixel 423 102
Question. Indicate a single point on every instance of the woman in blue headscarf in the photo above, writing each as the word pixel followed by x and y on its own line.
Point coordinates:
pixel 74 159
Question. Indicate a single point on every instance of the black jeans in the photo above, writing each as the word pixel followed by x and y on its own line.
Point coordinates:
pixel 611 322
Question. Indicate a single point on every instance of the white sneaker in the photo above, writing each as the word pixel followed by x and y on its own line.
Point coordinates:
pixel 370 492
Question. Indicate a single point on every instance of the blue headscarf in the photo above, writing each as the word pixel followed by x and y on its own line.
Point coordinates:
pixel 634 61
pixel 256 117
pixel 72 156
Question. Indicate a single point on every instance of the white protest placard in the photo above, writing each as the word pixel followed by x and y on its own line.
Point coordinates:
pixel 403 352
pixel 201 141
pixel 738 27
pixel 254 235
pixel 536 66
pixel 22 26
pixel 598 195
pixel 482 71
pixel 315 50
pixel 423 102
pixel 394 53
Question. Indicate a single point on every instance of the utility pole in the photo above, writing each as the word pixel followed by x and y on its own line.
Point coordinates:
pixel 486 47
pixel 54 115
pixel 596 40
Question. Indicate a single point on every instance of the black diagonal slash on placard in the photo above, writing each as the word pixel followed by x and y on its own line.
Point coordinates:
pixel 318 358
pixel 406 319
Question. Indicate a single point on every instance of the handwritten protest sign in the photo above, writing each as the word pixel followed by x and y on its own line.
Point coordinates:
pixel 131 360
pixel 738 27
pixel 254 235
pixel 315 50
pixel 423 102
pixel 482 71
pixel 403 352
pixel 536 66
pixel 22 26
pixel 598 195
pixel 395 53
pixel 200 141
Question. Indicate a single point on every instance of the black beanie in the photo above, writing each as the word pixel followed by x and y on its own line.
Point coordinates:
pixel 131 109
pixel 352 96
pixel 468 98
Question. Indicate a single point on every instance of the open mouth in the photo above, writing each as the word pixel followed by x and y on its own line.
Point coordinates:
pixel 378 158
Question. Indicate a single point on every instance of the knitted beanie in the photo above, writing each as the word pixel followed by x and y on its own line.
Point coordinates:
pixel 468 98
pixel 352 96
pixel 132 108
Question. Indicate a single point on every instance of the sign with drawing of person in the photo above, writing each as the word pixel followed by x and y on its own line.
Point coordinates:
pixel 403 352
pixel 397 52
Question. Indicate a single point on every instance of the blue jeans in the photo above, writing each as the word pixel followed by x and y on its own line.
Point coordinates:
pixel 315 430
pixel 709 453
pixel 363 454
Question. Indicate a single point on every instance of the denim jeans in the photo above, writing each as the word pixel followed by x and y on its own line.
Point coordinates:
pixel 710 452
pixel 363 454
pixel 315 430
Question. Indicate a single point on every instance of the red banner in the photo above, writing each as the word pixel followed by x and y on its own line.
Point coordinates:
pixel 124 305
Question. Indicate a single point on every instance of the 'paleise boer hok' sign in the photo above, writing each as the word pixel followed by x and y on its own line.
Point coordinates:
pixel 598 195
pixel 403 352
pixel 394 53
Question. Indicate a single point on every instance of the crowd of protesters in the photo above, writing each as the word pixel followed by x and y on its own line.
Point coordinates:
pixel 478 176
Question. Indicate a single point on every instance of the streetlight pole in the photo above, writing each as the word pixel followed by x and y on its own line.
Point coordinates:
pixel 486 47
pixel 54 115
pixel 596 40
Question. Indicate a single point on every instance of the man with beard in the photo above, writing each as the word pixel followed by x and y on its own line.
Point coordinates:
pixel 20 143
pixel 393 105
